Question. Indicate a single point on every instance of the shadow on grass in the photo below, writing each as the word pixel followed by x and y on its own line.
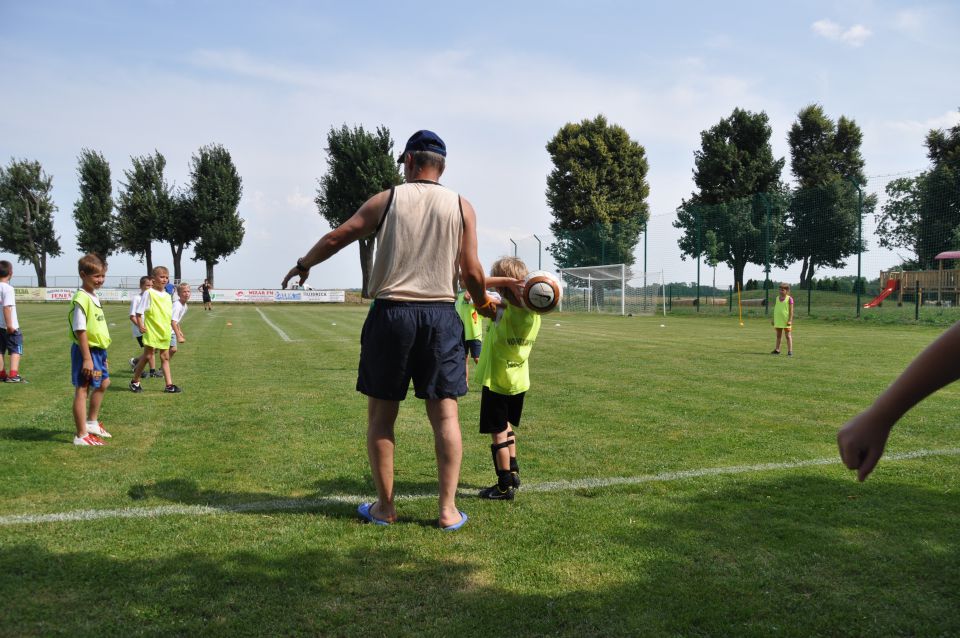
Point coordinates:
pixel 796 556
pixel 34 435
pixel 334 497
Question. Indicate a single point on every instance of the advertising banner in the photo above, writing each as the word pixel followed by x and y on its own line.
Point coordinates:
pixel 225 295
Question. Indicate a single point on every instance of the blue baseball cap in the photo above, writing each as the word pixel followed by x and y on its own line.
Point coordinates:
pixel 424 141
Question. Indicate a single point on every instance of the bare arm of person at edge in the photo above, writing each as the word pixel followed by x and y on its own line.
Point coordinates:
pixel 864 437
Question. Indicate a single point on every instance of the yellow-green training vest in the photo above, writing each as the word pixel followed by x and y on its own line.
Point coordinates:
pixel 504 357
pixel 472 329
pixel 157 320
pixel 98 334
pixel 781 312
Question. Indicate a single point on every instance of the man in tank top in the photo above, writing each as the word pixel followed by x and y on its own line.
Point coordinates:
pixel 426 239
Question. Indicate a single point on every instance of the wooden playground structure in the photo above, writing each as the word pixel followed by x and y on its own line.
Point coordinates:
pixel 940 286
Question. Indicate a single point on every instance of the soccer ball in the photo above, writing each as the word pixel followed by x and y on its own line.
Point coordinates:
pixel 541 291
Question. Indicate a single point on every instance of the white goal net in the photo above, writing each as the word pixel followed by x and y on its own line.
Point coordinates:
pixel 612 289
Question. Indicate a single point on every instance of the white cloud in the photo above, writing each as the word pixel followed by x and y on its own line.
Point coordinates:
pixel 855 36
pixel 922 127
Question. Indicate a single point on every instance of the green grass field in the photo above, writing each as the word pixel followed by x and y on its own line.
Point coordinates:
pixel 678 481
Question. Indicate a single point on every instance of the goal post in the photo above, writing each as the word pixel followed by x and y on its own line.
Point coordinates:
pixel 612 289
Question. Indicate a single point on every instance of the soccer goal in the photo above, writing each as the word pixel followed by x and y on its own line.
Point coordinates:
pixel 613 289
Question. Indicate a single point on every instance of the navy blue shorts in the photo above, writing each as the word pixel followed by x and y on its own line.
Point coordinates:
pixel 496 410
pixel 12 343
pixel 100 371
pixel 421 341
pixel 472 347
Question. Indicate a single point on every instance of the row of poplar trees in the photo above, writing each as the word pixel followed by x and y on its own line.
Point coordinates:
pixel 147 208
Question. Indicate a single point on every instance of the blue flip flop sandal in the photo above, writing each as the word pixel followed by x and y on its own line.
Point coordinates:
pixel 457 525
pixel 365 514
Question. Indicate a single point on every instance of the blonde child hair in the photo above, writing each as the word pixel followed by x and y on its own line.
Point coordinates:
pixel 509 267
pixel 91 264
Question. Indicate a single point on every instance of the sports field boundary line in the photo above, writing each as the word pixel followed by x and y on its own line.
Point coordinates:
pixel 283 335
pixel 307 504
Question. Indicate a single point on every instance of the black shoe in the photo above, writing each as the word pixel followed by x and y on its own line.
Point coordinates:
pixel 172 389
pixel 775 352
pixel 155 374
pixel 515 477
pixel 135 387
pixel 16 379
pixel 494 493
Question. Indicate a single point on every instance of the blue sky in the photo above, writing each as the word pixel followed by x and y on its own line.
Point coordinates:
pixel 268 82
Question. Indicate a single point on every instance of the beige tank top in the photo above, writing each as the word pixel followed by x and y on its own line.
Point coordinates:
pixel 418 245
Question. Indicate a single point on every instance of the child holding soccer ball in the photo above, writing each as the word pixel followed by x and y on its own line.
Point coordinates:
pixel 504 373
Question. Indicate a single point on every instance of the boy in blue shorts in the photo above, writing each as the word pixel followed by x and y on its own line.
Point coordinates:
pixel 504 372
pixel 88 355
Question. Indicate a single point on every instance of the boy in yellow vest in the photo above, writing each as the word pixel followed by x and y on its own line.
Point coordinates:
pixel 88 355
pixel 783 319
pixel 472 329
pixel 504 372
pixel 154 315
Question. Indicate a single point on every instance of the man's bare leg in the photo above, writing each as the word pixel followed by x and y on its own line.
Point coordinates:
pixel 445 421
pixel 381 417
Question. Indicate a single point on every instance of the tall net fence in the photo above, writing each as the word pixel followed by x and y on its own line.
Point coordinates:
pixel 886 253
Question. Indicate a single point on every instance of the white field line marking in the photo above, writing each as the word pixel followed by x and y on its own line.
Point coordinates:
pixel 317 503
pixel 283 335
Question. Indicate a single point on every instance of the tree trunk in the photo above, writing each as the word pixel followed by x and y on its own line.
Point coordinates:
pixel 366 264
pixel 176 252
pixel 148 256
pixel 738 268
pixel 42 271
pixel 210 265
pixel 804 275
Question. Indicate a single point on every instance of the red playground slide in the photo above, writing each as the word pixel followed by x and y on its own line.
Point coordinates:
pixel 892 284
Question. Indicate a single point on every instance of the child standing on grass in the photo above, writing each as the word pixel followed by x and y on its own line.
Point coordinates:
pixel 11 339
pixel 88 355
pixel 783 318
pixel 504 372
pixel 179 310
pixel 145 283
pixel 472 330
pixel 154 316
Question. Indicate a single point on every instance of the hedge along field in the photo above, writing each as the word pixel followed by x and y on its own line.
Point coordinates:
pixel 678 480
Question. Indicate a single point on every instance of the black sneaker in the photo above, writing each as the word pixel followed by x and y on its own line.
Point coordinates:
pixel 16 379
pixel 155 374
pixel 774 352
pixel 172 389
pixel 135 387
pixel 494 493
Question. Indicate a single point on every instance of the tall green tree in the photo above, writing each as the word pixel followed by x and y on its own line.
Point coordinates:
pixel 26 215
pixel 360 164
pixel 824 214
pixel 739 195
pixel 181 227
pixel 215 190
pixel 143 205
pixel 93 212
pixel 922 214
pixel 597 193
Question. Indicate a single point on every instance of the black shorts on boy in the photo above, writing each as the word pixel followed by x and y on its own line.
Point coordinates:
pixel 497 410
pixel 419 341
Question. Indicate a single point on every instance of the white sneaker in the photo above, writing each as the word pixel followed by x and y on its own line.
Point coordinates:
pixel 97 428
pixel 87 440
